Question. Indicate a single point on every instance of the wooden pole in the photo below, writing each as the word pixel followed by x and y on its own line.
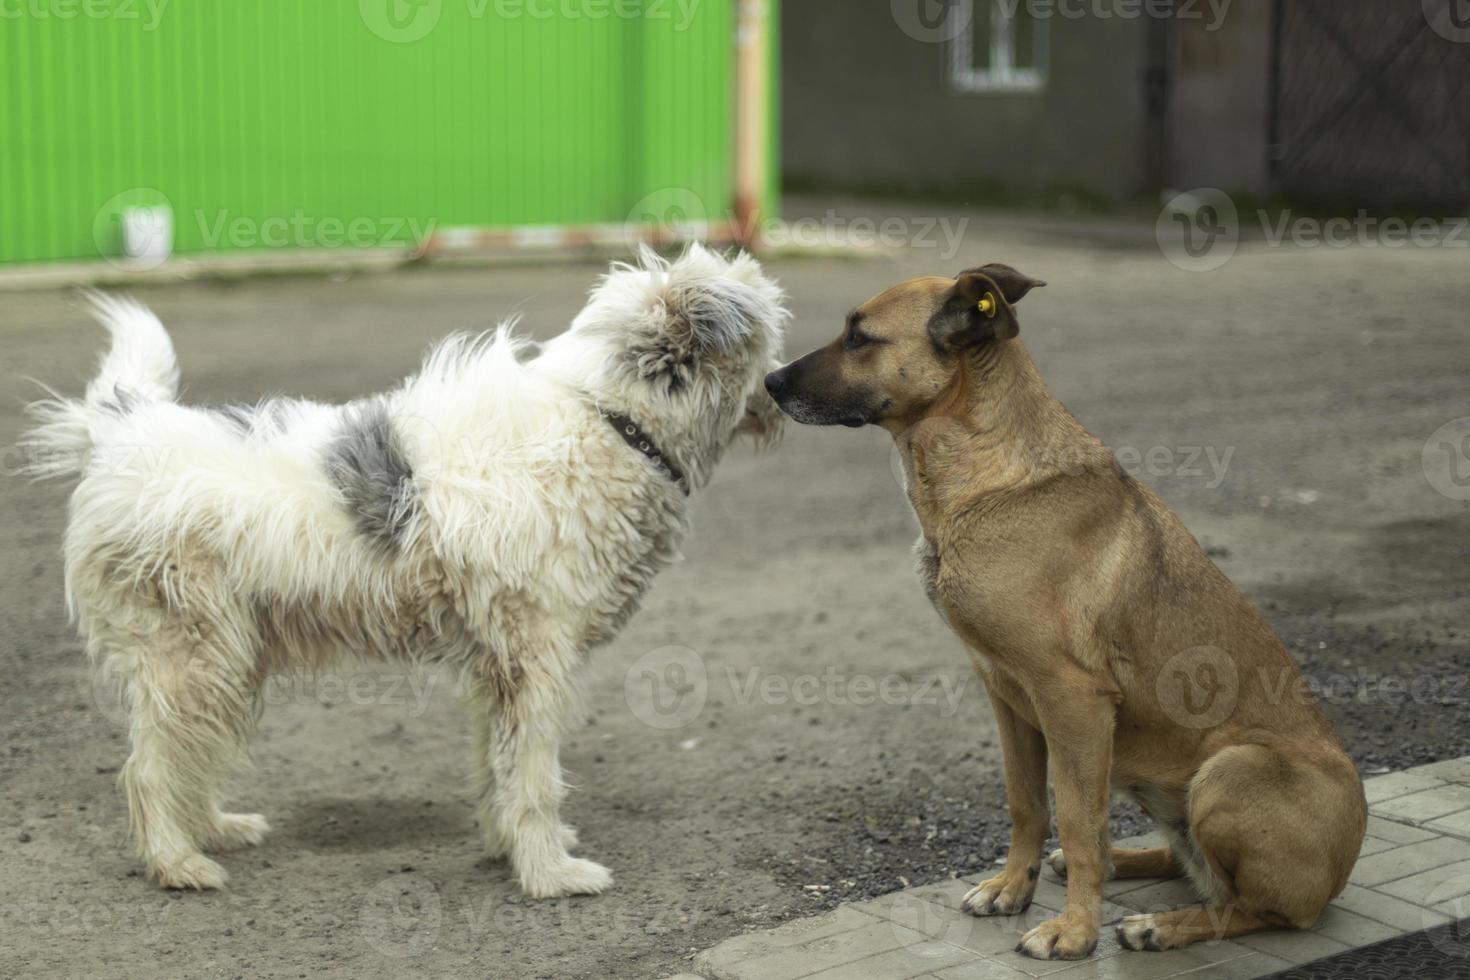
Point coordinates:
pixel 752 104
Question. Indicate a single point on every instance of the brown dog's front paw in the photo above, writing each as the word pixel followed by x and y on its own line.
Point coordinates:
pixel 1067 937
pixel 1005 894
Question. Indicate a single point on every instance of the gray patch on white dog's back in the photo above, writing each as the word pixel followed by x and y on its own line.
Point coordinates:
pixel 366 462
pixel 121 402
pixel 264 417
pixel 241 418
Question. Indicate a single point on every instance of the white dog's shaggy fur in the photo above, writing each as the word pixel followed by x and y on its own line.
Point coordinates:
pixel 485 515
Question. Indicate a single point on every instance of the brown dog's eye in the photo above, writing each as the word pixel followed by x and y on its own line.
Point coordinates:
pixel 854 338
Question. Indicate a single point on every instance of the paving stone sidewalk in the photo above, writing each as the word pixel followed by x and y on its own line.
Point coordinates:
pixel 1414 873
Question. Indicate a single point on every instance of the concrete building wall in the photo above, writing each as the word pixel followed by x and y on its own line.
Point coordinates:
pixel 867 106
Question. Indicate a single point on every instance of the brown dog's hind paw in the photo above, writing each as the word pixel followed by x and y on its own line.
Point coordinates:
pixel 1139 932
pixel 1058 862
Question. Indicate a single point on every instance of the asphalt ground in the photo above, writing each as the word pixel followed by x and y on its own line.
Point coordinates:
pixel 827 741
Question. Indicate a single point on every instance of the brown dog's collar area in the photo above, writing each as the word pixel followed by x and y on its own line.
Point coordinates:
pixel 632 433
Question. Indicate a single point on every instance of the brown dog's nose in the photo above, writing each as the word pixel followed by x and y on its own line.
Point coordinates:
pixel 776 383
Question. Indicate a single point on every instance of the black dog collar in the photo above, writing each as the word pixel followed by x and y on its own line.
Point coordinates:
pixel 634 436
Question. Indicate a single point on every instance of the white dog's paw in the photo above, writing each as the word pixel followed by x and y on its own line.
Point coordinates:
pixel 236 830
pixel 568 876
pixel 1137 932
pixel 190 871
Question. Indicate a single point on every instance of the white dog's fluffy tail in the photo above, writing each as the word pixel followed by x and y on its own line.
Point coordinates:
pixel 139 367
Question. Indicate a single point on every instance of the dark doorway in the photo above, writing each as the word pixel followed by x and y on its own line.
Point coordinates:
pixel 1371 102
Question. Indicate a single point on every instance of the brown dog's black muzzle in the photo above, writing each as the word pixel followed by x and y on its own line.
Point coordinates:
pixel 809 391
pixel 777 381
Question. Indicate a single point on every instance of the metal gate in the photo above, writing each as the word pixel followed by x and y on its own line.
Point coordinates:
pixel 285 123
pixel 1371 101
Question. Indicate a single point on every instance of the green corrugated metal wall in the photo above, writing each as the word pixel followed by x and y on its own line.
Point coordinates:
pixel 293 119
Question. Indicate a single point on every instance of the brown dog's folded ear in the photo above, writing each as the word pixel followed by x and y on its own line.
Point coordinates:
pixel 1014 284
pixel 981 307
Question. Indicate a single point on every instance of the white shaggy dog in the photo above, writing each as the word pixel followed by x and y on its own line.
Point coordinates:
pixel 498 512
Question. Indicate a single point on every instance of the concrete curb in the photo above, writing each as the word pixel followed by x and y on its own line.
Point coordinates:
pixel 1413 873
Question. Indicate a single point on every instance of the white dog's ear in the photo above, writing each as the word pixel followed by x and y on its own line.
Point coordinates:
pixel 712 314
pixel 702 305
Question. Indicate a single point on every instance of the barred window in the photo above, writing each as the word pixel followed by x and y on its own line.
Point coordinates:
pixel 1003 48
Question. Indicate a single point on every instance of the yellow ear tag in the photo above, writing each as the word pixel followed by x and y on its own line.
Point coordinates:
pixel 987 305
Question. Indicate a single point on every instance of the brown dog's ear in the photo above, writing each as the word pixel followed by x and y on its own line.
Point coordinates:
pixel 981 307
pixel 1015 285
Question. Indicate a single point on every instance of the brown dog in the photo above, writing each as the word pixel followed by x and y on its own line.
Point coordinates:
pixel 1106 638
